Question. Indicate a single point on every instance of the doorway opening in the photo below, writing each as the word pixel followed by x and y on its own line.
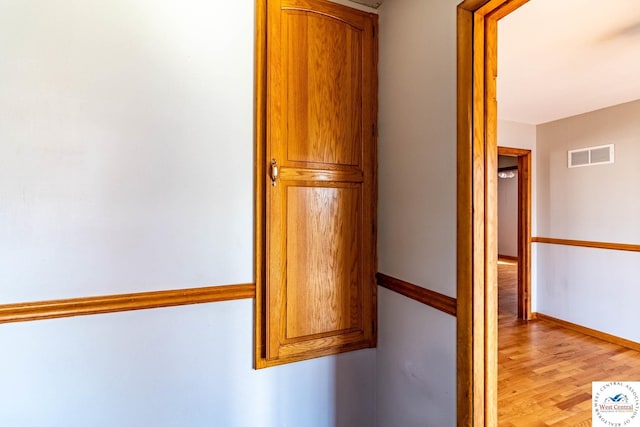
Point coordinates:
pixel 477 156
pixel 523 257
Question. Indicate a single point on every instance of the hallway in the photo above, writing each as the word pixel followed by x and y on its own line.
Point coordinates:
pixel 545 371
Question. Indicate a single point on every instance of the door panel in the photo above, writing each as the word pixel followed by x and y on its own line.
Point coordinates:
pixel 324 89
pixel 316 291
pixel 323 274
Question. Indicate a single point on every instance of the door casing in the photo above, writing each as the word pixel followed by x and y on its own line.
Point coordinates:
pixel 523 157
pixel 477 314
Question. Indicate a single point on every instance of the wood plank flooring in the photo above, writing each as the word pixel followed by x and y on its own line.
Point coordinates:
pixel 545 371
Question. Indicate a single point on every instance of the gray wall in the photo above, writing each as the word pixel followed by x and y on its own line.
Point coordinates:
pixel 508 209
pixel 417 210
pixel 592 287
pixel 126 165
pixel 521 135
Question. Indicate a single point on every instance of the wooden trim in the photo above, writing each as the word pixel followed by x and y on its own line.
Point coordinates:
pixel 588 244
pixel 374 196
pixel 507 258
pixel 524 235
pixel 590 332
pixel 476 210
pixel 39 310
pixel 524 228
pixel 512 152
pixel 425 296
pixel 472 5
pixel 465 283
pixel 260 132
pixel 490 222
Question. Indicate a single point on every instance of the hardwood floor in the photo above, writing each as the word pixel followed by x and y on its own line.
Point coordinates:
pixel 545 371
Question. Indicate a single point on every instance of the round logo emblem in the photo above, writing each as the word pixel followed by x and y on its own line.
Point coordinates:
pixel 616 404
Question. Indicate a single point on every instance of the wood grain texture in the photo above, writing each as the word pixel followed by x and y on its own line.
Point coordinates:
pixel 324 68
pixel 425 296
pixel 590 332
pixel 311 174
pixel 323 296
pixel 479 324
pixel 588 244
pixel 371 84
pixel 500 9
pixel 319 348
pixel 491 221
pixel 471 5
pixel 523 157
pixel 546 368
pixel 464 228
pixel 40 310
pixel 524 235
pixel 260 168
pixel 476 201
pixel 513 152
pixel 317 290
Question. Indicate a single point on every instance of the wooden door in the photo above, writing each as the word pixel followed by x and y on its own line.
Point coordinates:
pixel 317 293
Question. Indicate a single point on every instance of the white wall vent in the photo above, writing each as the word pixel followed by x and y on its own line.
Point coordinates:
pixel 600 155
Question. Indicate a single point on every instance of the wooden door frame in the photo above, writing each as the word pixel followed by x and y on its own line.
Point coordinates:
pixel 524 228
pixel 477 314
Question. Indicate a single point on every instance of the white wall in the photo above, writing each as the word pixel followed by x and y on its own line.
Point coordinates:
pixel 126 155
pixel 417 210
pixel 126 164
pixel 591 287
pixel 181 366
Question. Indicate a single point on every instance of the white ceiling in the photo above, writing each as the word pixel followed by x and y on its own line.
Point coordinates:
pixel 559 58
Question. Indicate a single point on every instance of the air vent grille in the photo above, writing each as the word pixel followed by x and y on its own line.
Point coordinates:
pixel 600 155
